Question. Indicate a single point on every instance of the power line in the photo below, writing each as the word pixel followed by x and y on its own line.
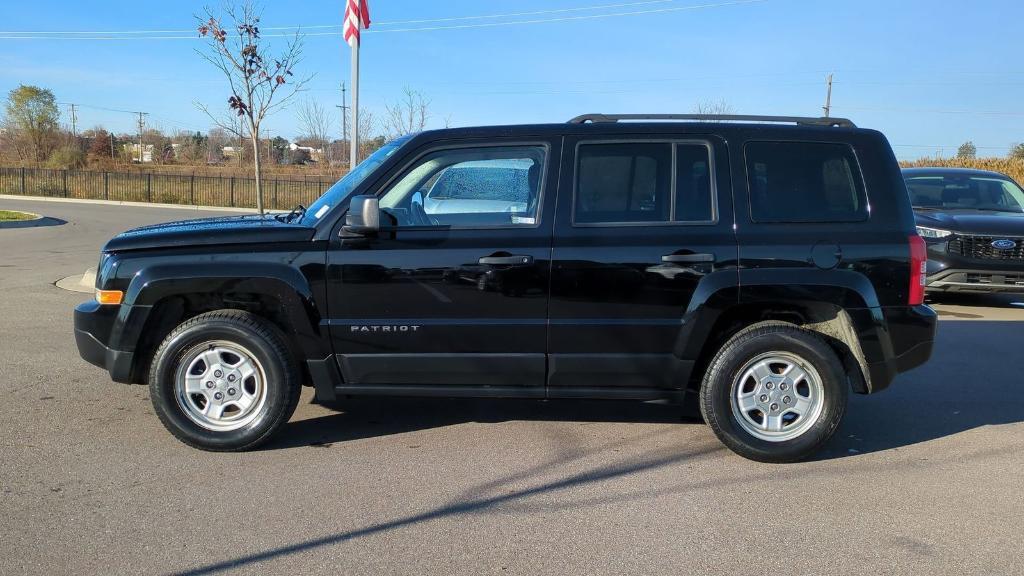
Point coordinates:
pixel 521 14
pixel 375 23
pixel 10 35
pixel 101 108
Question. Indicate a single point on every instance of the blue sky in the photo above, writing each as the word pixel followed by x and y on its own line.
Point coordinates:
pixel 930 74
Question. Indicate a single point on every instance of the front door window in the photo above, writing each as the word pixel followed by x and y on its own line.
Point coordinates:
pixel 484 187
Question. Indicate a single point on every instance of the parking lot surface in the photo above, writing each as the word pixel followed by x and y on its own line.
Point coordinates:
pixel 924 478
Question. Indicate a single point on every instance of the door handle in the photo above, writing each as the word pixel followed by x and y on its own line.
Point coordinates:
pixel 687 258
pixel 513 260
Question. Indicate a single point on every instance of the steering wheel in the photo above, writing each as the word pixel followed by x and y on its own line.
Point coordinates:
pixel 418 214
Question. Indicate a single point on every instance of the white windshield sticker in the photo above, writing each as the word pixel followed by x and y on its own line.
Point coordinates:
pixel 323 210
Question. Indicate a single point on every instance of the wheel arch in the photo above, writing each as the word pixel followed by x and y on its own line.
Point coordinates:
pixel 829 320
pixel 160 298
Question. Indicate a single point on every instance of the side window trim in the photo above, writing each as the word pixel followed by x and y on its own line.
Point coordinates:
pixel 859 173
pixel 404 169
pixel 673 185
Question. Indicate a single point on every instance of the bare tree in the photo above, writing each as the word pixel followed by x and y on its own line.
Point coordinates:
pixel 216 140
pixel 714 108
pixel 260 83
pixel 316 122
pixel 369 139
pixel 408 115
pixel 189 147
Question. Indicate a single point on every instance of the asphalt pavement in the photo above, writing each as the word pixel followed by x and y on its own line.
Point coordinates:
pixel 924 478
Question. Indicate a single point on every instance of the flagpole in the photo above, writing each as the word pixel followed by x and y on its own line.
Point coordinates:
pixel 353 158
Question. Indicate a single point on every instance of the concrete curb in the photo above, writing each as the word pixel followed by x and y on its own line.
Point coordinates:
pixel 79 283
pixel 125 203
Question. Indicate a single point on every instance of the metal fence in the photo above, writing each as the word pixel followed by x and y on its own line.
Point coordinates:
pixel 189 189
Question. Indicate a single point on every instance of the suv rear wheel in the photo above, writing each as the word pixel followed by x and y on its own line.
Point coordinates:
pixel 774 393
pixel 224 381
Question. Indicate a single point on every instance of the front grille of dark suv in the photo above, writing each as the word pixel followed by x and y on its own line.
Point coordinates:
pixel 981 247
pixel 1001 279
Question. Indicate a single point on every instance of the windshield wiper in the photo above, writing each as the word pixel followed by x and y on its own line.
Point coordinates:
pixel 297 212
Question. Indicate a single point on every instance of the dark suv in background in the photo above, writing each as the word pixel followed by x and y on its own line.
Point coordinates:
pixel 973 223
pixel 763 266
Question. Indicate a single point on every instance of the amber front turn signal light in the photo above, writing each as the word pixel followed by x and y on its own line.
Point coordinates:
pixel 109 296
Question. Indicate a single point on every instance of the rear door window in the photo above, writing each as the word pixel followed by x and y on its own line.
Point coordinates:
pixel 623 182
pixel 804 182
pixel 643 182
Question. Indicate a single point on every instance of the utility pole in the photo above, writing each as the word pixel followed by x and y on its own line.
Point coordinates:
pixel 828 96
pixel 344 120
pixel 111 145
pixel 142 126
pixel 72 110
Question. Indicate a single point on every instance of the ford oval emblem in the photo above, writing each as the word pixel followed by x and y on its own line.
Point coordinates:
pixel 1004 244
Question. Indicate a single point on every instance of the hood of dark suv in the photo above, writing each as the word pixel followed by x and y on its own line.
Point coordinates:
pixel 983 222
pixel 224 230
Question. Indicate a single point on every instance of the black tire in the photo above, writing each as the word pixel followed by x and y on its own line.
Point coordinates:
pixel 716 392
pixel 264 341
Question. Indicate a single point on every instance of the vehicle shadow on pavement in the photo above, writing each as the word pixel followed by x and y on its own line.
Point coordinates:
pixel 972 380
pixel 360 418
pixel 37 223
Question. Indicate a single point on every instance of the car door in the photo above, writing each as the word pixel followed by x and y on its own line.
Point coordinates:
pixel 450 297
pixel 642 224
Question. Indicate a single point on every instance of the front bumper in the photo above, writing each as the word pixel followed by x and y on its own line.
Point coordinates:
pixel 94 324
pixel 952 272
pixel 976 280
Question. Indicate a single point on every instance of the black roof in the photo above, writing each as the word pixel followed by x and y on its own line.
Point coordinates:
pixel 724 129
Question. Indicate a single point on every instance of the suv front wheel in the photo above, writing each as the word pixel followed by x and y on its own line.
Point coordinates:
pixel 224 381
pixel 774 393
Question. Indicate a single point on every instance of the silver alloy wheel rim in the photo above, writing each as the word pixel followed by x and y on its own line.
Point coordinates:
pixel 220 385
pixel 777 396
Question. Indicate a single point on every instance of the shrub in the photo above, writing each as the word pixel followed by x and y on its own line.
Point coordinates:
pixel 67 158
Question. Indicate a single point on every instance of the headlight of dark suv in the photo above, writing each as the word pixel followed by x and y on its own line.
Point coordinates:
pixel 104 272
pixel 933 233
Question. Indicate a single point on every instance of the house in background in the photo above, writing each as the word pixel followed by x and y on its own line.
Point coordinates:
pixel 133 151
pixel 315 154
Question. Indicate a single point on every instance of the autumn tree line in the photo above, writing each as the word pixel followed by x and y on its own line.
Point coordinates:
pixel 35 132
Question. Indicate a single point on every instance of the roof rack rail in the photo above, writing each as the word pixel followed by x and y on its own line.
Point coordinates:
pixel 802 120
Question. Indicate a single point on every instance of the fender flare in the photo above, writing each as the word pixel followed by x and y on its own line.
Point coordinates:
pixel 843 303
pixel 153 285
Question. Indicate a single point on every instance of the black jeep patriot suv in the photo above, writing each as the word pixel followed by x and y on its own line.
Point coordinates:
pixel 763 266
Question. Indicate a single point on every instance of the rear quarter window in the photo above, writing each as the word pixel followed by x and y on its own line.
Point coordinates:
pixel 804 182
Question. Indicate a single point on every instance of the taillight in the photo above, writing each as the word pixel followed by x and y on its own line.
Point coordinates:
pixel 918 270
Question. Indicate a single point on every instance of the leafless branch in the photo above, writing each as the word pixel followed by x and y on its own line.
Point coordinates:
pixel 260 82
pixel 408 115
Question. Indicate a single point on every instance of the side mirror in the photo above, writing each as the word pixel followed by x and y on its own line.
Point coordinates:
pixel 363 216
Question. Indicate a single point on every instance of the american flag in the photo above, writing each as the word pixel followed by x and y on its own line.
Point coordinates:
pixel 357 16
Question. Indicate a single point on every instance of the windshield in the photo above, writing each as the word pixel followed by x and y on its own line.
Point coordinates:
pixel 956 192
pixel 344 187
